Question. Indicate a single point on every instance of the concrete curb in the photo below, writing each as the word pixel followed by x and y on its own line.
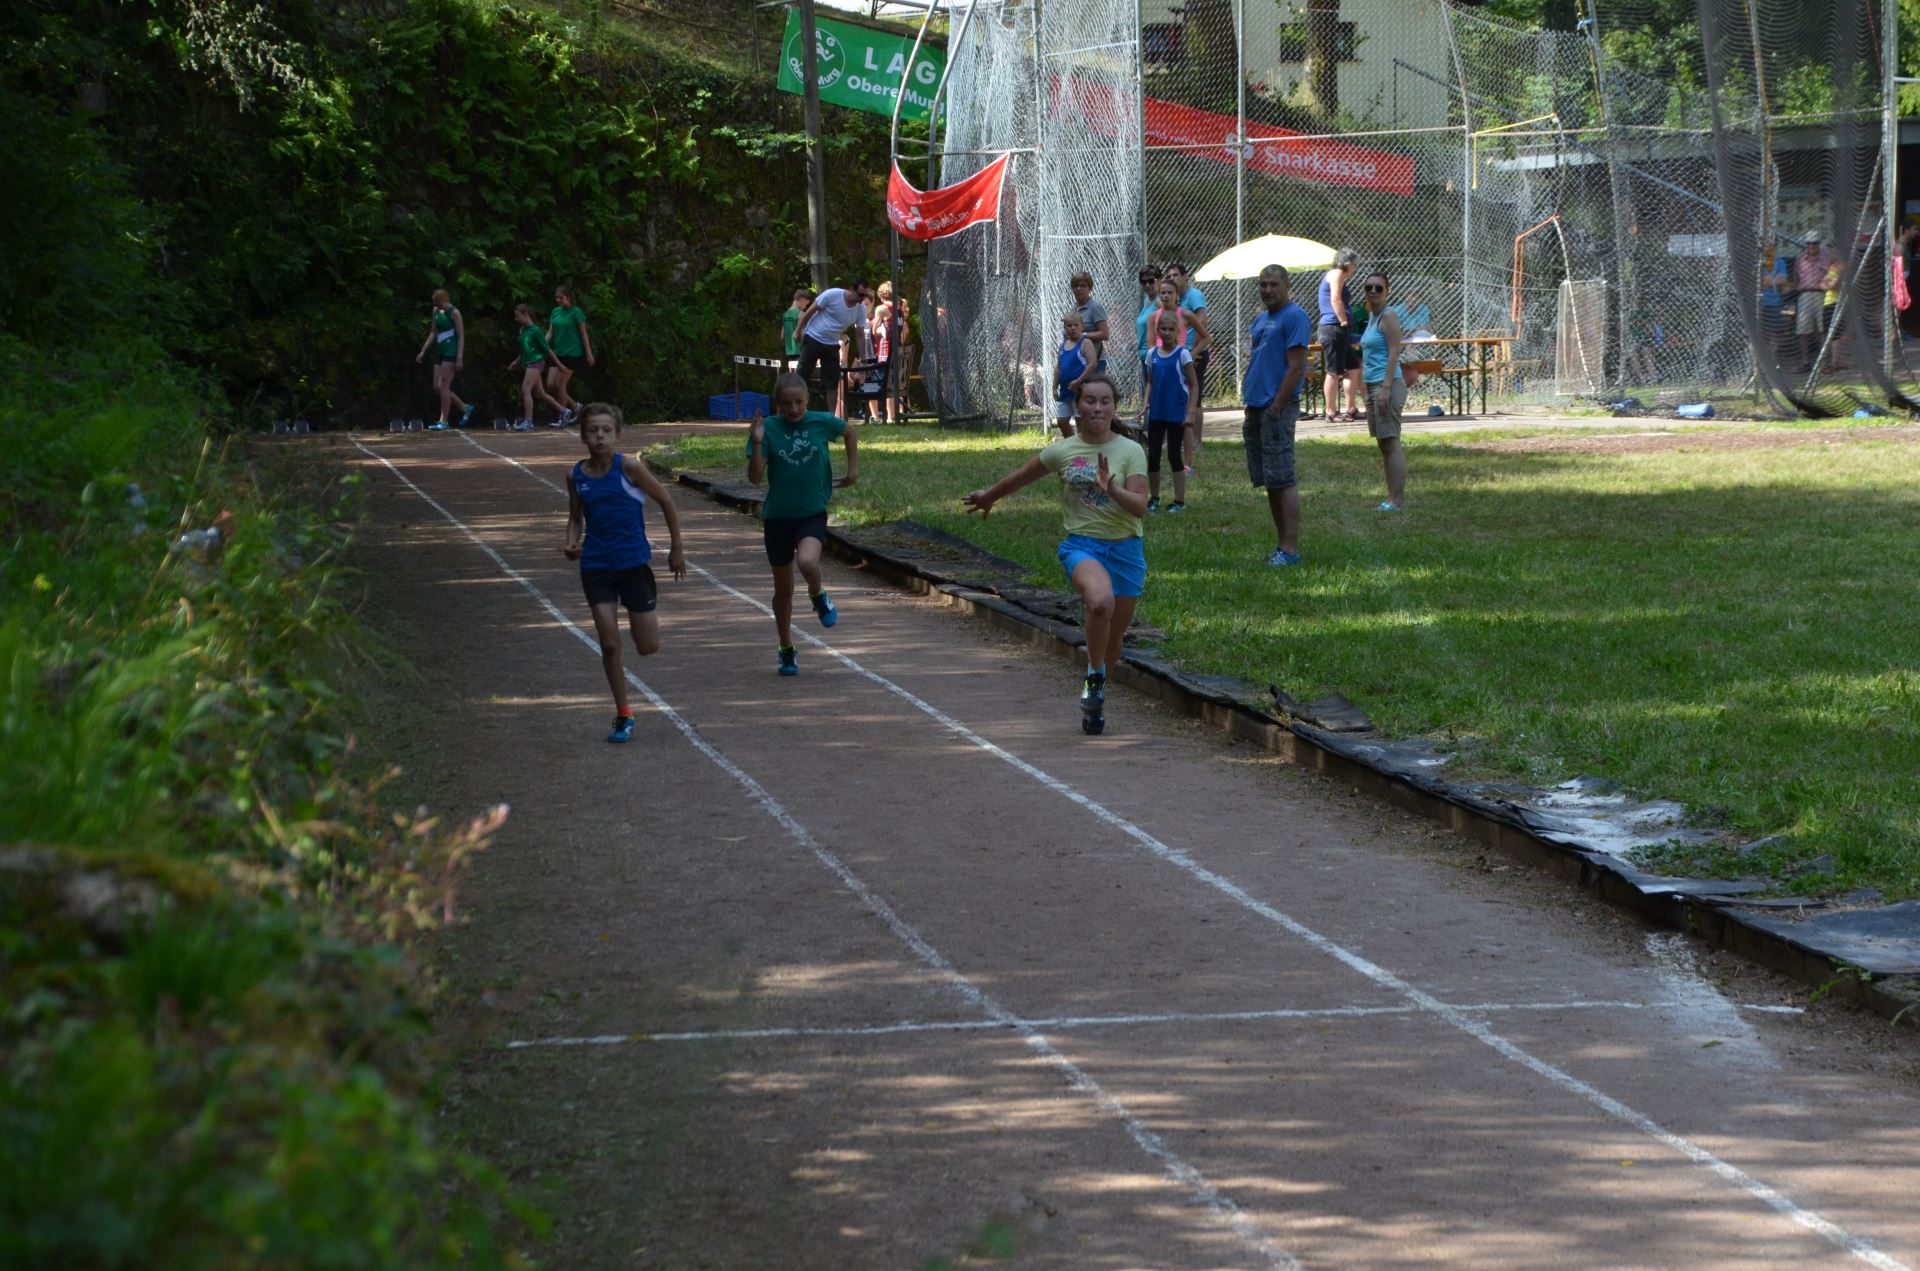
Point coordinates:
pixel 1305 746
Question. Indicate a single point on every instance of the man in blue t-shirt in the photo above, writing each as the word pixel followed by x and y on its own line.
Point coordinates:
pixel 1276 370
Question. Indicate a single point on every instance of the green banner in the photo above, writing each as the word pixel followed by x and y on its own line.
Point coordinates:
pixel 860 68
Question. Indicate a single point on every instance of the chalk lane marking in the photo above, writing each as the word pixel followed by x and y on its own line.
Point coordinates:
pixel 1063 1023
pixel 1454 1016
pixel 1176 1166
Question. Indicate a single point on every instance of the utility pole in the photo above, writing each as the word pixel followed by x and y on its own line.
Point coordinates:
pixel 816 162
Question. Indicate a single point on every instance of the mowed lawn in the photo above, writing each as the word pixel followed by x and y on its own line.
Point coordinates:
pixel 1735 628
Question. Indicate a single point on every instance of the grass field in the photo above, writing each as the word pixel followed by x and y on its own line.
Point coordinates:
pixel 1731 627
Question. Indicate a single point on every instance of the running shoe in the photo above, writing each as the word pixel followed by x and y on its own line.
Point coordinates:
pixel 1281 556
pixel 1093 693
pixel 824 608
pixel 558 423
pixel 466 416
pixel 622 729
pixel 566 415
pixel 1153 505
pixel 439 425
pixel 789 661
pixel 1175 507
pixel 1388 506
pixel 525 425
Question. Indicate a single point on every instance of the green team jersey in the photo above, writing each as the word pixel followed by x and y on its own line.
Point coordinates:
pixel 446 340
pixel 790 332
pixel 566 321
pixel 799 471
pixel 533 345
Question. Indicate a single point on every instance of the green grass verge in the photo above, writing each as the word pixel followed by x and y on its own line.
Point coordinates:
pixel 211 1030
pixel 1734 629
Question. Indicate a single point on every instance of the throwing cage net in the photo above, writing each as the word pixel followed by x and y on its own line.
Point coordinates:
pixel 1591 213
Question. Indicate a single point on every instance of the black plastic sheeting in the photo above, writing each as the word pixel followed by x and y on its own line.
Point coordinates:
pixel 1587 816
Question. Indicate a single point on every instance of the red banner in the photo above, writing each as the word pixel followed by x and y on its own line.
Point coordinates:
pixel 925 214
pixel 1216 137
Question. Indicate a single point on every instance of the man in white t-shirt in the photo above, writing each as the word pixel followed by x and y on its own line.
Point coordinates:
pixel 821 325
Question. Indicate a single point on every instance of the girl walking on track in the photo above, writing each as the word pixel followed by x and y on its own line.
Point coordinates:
pixel 790 453
pixel 1172 406
pixel 1103 496
pixel 572 346
pixel 607 495
pixel 447 342
pixel 535 355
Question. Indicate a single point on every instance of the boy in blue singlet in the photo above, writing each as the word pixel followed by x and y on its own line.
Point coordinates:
pixel 607 496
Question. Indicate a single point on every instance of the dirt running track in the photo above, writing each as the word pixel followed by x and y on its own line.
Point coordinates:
pixel 858 969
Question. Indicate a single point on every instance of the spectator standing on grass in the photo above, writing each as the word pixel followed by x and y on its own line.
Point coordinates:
pixel 1380 350
pixel 1170 303
pixel 1810 282
pixel 827 318
pixel 572 346
pixel 447 342
pixel 1830 301
pixel 1093 317
pixel 1336 336
pixel 889 320
pixel 1276 370
pixel 1170 403
pixel 1199 342
pixel 1149 304
pixel 790 328
pixel 1074 363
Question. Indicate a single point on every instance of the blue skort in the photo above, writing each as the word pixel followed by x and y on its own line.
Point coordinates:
pixel 1124 559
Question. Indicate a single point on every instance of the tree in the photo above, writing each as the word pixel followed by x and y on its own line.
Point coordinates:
pixel 1323 56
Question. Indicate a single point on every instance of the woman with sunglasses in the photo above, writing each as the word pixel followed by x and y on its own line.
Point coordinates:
pixel 1149 301
pixel 1386 387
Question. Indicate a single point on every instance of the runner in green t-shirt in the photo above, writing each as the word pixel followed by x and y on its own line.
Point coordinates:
pixel 447 342
pixel 789 451
pixel 1103 495
pixel 534 358
pixel 572 347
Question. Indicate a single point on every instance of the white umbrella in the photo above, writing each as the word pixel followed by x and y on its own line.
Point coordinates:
pixel 1254 255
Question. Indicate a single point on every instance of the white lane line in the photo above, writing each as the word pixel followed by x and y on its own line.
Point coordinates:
pixel 1061 1023
pixel 1452 1015
pixel 1176 1166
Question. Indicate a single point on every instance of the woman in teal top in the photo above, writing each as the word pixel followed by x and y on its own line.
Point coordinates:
pixel 572 349
pixel 447 342
pixel 1386 387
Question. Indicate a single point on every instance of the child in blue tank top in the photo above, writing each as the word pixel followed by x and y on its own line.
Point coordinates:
pixel 1172 404
pixel 1076 363
pixel 607 495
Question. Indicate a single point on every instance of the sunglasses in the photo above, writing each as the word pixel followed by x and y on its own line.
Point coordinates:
pixel 1372 287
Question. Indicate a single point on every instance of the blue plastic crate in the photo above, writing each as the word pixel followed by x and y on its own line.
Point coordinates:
pixel 738 406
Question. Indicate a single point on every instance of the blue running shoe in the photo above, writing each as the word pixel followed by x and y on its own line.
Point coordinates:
pixel 439 426
pixel 1389 506
pixel 466 416
pixel 789 661
pixel 1281 556
pixel 622 729
pixel 824 607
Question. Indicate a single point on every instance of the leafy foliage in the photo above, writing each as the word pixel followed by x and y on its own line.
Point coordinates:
pixel 210 1033
pixel 315 174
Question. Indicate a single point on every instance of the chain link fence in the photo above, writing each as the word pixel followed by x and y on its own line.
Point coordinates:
pixel 1624 209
